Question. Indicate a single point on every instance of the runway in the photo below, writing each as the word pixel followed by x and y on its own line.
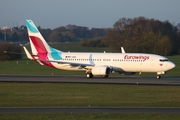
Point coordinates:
pixel 78 110
pixel 133 80
pixel 129 80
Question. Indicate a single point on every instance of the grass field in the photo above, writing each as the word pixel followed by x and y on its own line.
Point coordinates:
pixel 75 47
pixel 58 94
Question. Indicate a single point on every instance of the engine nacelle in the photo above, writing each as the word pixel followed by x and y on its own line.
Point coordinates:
pixel 101 70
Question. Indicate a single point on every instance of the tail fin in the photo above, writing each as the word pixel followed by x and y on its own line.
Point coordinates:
pixel 39 46
pixel 37 42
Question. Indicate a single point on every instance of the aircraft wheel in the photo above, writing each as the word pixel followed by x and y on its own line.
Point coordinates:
pixel 89 75
pixel 158 77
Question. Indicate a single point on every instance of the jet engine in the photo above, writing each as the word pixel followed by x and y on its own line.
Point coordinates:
pixel 101 70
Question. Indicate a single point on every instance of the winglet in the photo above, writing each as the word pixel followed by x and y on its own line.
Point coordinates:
pixel 122 50
pixel 27 53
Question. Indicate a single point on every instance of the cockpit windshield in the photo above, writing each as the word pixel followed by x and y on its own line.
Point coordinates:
pixel 163 60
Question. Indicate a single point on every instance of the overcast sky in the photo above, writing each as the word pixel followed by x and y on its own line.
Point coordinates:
pixel 90 13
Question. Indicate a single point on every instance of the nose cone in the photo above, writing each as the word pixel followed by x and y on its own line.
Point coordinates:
pixel 171 65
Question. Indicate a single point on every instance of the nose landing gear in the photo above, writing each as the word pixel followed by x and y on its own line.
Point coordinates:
pixel 158 77
pixel 160 73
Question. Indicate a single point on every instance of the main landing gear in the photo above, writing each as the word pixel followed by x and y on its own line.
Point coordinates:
pixel 89 75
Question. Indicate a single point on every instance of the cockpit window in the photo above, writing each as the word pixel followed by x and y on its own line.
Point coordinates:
pixel 163 60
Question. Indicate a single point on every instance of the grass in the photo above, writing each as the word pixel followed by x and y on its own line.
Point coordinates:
pixel 76 47
pixel 58 94
pixel 51 94
pixel 29 67
pixel 176 70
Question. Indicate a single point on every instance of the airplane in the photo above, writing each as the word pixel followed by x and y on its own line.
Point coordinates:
pixel 94 64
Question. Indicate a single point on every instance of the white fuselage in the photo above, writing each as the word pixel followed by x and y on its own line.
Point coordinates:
pixel 118 62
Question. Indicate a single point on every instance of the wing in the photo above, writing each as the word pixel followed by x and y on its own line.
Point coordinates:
pixel 73 64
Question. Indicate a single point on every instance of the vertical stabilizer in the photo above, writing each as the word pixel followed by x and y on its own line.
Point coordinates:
pixel 40 49
pixel 37 42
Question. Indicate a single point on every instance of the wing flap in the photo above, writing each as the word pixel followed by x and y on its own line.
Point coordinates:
pixel 73 64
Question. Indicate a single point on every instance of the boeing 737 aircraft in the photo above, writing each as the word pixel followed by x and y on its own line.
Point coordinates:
pixel 94 64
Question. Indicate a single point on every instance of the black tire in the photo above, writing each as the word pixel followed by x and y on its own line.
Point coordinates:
pixel 89 75
pixel 158 77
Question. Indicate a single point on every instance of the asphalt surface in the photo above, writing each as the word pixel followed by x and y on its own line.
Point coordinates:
pixel 132 80
pixel 73 110
pixel 96 80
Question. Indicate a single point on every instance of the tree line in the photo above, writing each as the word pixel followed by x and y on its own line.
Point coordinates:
pixel 144 35
pixel 10 51
pixel 69 33
pixel 94 42
pixel 15 34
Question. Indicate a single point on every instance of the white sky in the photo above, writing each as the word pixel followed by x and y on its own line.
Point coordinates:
pixel 89 13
